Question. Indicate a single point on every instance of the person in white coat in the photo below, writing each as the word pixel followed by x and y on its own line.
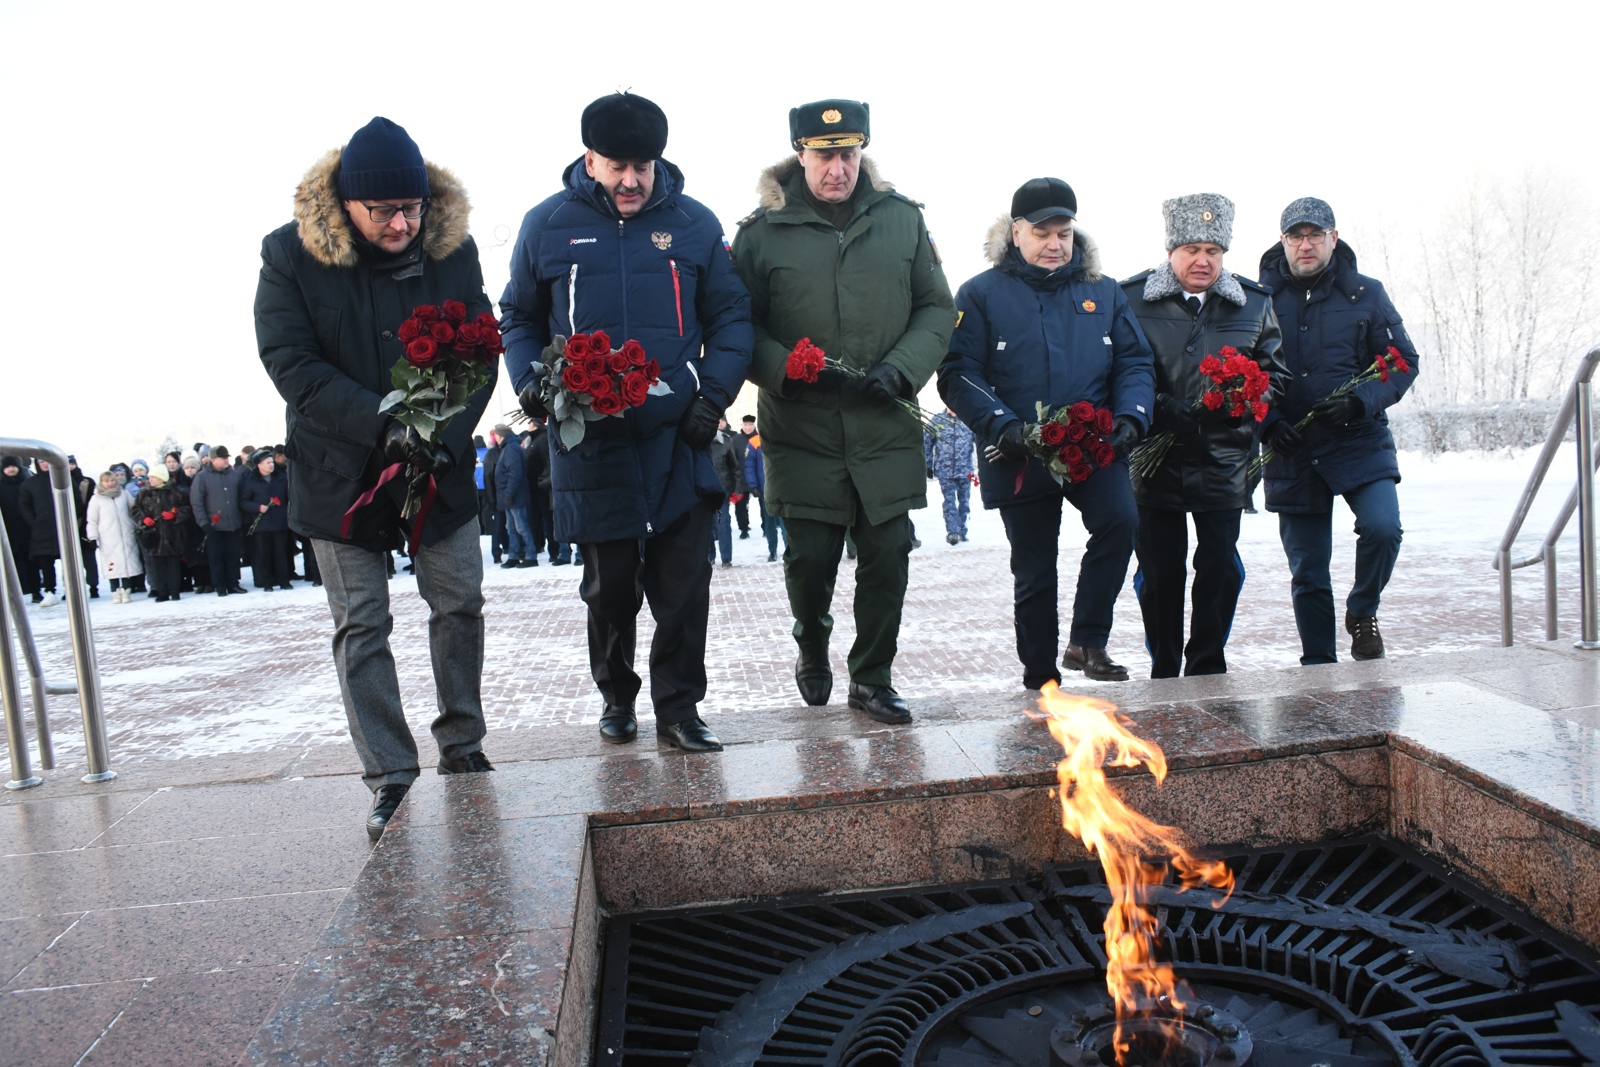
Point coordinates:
pixel 110 526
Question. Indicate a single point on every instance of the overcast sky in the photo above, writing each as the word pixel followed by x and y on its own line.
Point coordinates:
pixel 151 146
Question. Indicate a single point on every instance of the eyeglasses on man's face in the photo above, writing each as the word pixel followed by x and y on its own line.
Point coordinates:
pixel 1315 238
pixel 385 212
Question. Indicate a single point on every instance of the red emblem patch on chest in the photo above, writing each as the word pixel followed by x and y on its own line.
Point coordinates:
pixel 1088 305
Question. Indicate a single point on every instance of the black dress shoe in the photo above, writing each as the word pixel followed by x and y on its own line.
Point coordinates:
pixel 618 725
pixel 384 802
pixel 691 736
pixel 1094 663
pixel 814 675
pixel 471 763
pixel 237 589
pixel 880 702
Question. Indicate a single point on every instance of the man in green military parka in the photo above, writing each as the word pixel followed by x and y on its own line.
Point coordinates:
pixel 836 256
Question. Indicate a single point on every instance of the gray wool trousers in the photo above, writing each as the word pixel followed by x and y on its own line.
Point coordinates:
pixel 450 579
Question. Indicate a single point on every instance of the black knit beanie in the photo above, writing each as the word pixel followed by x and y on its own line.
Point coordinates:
pixel 382 162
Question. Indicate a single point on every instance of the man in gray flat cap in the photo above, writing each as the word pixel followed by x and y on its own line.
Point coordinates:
pixel 1335 321
pixel 1191 307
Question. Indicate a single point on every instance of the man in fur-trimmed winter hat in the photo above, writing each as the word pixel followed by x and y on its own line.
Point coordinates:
pixel 1044 325
pixel 1190 307
pixel 378 231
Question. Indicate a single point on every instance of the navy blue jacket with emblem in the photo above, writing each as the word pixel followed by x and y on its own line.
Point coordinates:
pixel 1331 331
pixel 1028 336
pixel 663 278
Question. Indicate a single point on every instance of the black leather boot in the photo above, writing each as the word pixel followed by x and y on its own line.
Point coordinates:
pixel 880 702
pixel 618 726
pixel 1095 664
pixel 814 675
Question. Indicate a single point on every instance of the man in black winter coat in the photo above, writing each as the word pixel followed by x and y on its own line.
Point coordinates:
pixel 378 232
pixel 497 518
pixel 12 478
pixel 44 544
pixel 1191 307
pixel 1335 321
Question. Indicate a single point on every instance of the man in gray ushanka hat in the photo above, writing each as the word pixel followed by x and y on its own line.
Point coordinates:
pixel 1190 307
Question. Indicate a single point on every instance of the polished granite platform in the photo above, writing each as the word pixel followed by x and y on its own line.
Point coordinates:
pixel 470 934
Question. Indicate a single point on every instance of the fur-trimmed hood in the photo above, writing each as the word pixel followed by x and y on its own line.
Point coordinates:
pixel 1163 283
pixel 326 233
pixel 770 185
pixel 997 242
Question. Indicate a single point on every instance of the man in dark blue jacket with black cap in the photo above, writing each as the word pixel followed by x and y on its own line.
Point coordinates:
pixel 1044 326
pixel 1335 320
pixel 622 250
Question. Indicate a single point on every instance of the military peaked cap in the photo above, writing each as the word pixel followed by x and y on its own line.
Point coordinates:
pixel 830 124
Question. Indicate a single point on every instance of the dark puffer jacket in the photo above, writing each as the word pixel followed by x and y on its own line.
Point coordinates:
pixel 163 536
pixel 1330 334
pixel 1028 336
pixel 328 305
pixel 1204 472
pixel 39 512
pixel 662 278
pixel 255 491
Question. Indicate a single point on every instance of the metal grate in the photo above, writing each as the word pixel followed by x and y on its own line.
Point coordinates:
pixel 1354 954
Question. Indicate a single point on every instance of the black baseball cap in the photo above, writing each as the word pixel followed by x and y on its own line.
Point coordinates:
pixel 1306 209
pixel 1044 198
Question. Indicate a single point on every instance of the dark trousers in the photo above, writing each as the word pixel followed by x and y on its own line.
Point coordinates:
pixel 1218 578
pixel 1105 500
pixel 670 570
pixel 271 562
pixel 91 565
pixel 308 560
pixel 222 554
pixel 500 543
pixel 541 524
pixel 27 573
pixel 163 573
pixel 1308 543
pixel 810 568
pixel 741 511
pixel 771 526
pixel 45 568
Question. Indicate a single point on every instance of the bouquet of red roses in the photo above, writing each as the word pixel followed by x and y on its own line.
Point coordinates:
pixel 1074 442
pixel 806 362
pixel 1238 384
pixel 1383 365
pixel 586 379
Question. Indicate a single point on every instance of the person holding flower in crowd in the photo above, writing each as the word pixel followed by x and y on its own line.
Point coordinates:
pixel 622 251
pixel 264 509
pixel 1044 325
pixel 109 524
pixel 1192 307
pixel 162 518
pixel 835 256
pixel 1335 320
pixel 378 233
pixel 948 454
pixel 214 497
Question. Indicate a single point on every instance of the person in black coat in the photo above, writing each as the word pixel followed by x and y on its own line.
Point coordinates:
pixel 1192 307
pixel 13 476
pixel 264 508
pixel 162 518
pixel 1335 321
pixel 44 545
pixel 378 232
pixel 511 497
pixel 536 466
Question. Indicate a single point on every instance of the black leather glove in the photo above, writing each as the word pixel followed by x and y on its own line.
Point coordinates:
pixel 531 402
pixel 1283 438
pixel 1012 444
pixel 1124 435
pixel 884 384
pixel 1175 416
pixel 402 444
pixel 699 424
pixel 1339 411
pixel 398 441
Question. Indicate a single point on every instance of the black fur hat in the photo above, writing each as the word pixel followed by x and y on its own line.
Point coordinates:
pixel 625 126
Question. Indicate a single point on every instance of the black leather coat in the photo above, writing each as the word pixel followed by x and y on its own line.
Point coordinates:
pixel 1204 471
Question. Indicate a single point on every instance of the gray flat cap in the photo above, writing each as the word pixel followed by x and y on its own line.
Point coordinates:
pixel 1306 209
pixel 1199 218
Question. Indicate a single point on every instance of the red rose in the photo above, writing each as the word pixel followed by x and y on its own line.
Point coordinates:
pixel 275 500
pixel 442 332
pixel 423 352
pixel 635 353
pixel 1103 420
pixel 1082 411
pixel 1079 472
pixel 595 365
pixel 489 337
pixel 600 343
pixel 467 337
pixel 610 404
pixel 1104 454
pixel 410 330
pixel 455 311
pixel 487 320
pixel 1212 400
pixel 601 385
pixel 652 370
pixel 427 313
pixel 1071 454
pixel 148 521
pixel 1075 431
pixel 1052 433
pixel 617 362
pixel 577 347
pixel 575 378
pixel 634 388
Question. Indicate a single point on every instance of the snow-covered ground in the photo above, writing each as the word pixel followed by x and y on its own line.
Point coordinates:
pixel 249 673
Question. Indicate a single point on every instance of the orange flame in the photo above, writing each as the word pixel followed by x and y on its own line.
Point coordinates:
pixel 1092 738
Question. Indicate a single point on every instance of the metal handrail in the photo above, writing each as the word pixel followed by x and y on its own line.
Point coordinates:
pixel 96 749
pixel 22 775
pixel 1577 403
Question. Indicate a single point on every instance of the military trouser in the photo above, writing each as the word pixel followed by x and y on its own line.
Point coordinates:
pixel 810 567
